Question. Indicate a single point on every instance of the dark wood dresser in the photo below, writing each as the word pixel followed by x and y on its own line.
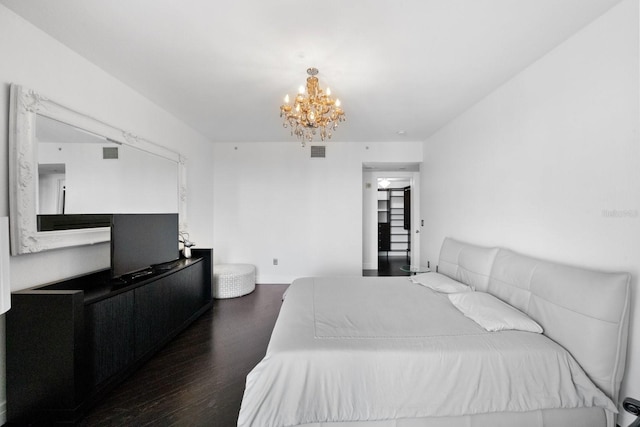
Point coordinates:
pixel 70 342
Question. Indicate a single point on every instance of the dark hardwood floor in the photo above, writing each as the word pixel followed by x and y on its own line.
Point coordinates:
pixel 198 378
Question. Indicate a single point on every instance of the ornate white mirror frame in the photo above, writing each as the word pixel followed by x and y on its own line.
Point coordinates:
pixel 25 105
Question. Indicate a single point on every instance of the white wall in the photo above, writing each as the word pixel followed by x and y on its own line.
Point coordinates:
pixel 549 164
pixel 274 201
pixel 33 59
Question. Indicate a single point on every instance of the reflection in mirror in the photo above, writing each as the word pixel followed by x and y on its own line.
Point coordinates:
pixel 51 188
pixel 80 172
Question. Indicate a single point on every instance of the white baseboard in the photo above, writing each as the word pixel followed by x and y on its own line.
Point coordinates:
pixel 274 280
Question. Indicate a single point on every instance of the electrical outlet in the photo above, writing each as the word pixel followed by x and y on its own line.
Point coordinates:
pixel 275 261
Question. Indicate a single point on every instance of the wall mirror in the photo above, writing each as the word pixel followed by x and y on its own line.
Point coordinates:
pixel 69 171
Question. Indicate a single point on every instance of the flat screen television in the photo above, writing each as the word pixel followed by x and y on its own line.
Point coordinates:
pixel 141 241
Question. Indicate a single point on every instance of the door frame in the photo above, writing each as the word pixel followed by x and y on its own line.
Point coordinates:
pixel 370 216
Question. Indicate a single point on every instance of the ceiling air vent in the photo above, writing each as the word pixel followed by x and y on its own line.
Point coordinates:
pixel 109 152
pixel 318 151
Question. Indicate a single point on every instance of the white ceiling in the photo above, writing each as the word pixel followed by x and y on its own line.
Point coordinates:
pixel 224 67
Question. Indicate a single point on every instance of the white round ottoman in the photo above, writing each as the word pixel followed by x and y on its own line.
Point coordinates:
pixel 233 280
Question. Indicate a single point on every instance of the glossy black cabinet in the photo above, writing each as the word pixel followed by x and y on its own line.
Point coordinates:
pixel 165 306
pixel 70 342
pixel 109 336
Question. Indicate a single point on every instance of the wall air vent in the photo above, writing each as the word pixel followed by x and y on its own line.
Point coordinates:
pixel 318 151
pixel 109 153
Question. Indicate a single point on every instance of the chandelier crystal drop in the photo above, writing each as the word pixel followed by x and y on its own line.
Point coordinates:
pixel 312 113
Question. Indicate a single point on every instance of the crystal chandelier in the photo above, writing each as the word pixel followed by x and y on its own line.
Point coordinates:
pixel 314 113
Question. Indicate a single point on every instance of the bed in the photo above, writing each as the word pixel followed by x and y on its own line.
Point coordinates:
pixel 395 352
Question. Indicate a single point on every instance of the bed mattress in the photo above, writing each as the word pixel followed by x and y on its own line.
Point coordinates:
pixel 376 349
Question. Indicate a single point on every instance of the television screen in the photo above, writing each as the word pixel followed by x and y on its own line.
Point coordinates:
pixel 139 241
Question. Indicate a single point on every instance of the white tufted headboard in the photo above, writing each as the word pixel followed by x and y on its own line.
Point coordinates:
pixel 585 311
pixel 466 263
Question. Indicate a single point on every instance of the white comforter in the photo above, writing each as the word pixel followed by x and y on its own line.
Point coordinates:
pixel 352 349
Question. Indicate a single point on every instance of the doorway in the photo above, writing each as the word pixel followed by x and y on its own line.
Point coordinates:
pixel 391 216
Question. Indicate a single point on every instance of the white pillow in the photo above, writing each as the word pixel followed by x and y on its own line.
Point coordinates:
pixel 493 314
pixel 440 283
